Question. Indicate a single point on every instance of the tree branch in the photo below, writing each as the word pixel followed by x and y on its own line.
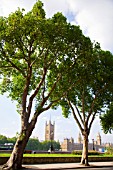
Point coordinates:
pixel 93 102
pixel 36 91
pixel 37 57
pixel 12 64
pixel 79 114
pixel 93 117
pixel 83 106
pixel 75 117
pixel 25 114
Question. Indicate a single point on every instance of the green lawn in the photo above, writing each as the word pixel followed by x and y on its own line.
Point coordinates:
pixel 41 155
pixel 54 155
pixel 5 154
pixel 50 155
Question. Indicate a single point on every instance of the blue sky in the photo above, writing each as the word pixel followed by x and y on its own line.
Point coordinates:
pixel 96 21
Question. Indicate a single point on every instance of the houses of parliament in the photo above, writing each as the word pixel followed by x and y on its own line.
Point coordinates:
pixel 69 144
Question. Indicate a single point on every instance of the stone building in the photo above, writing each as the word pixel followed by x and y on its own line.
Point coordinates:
pixel 80 138
pixel 69 145
pixel 98 139
pixel 49 130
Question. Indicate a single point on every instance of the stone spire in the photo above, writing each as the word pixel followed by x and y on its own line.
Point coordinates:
pixel 79 138
pixel 98 139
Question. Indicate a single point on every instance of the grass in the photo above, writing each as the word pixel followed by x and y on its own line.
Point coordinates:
pixel 54 155
pixel 50 155
pixel 5 154
pixel 41 155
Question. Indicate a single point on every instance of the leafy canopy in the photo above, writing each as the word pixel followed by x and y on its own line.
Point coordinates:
pixel 37 57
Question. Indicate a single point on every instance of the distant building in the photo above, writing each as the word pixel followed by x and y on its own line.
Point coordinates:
pixel 80 138
pixel 49 130
pixel 98 141
pixel 69 145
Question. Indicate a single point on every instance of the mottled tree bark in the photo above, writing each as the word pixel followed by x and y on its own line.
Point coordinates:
pixel 15 160
pixel 84 159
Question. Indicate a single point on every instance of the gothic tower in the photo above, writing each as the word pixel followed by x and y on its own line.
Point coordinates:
pixel 98 139
pixel 79 138
pixel 49 130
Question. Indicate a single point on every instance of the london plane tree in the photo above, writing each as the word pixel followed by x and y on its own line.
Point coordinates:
pixel 36 56
pixel 92 94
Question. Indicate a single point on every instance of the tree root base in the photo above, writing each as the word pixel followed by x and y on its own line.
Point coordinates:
pixel 85 164
pixel 7 167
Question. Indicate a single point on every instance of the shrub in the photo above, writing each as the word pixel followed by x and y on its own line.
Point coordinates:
pixel 93 152
pixel 109 150
pixel 79 152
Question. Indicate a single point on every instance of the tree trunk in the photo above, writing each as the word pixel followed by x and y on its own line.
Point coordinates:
pixel 15 160
pixel 84 159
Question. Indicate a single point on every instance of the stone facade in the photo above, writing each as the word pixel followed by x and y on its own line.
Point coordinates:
pixel 49 131
pixel 80 138
pixel 98 141
pixel 69 145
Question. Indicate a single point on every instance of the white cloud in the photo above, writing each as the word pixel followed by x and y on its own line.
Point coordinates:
pixel 6 7
pixel 52 7
pixel 95 19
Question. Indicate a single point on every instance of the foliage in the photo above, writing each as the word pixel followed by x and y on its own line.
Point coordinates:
pixel 89 152
pixel 48 62
pixel 3 139
pixel 37 57
pixel 109 150
pixel 33 143
pixel 47 144
pixel 92 91
pixel 77 152
pixel 107 119
pixel 12 140
pixel 33 50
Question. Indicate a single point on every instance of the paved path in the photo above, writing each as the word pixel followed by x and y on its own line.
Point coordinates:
pixel 68 166
pixel 65 166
